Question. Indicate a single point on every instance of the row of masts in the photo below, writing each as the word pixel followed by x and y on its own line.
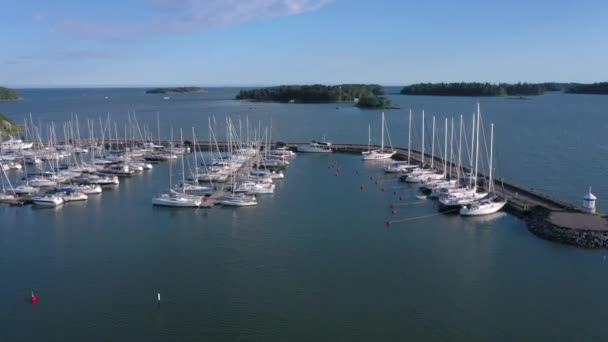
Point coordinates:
pixel 461 192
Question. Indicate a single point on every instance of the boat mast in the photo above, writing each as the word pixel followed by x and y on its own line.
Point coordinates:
pixel 422 138
pixel 195 161
pixel 445 152
pixel 409 138
pixel 452 148
pixel 472 151
pixel 433 144
pixel 171 166
pixel 369 137
pixel 382 143
pixel 477 148
pixel 181 137
pixel 491 185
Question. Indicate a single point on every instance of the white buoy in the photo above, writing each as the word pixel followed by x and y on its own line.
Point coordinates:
pixel 589 202
pixel 158 296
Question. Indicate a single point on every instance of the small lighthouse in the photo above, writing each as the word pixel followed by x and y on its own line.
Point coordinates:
pixel 589 202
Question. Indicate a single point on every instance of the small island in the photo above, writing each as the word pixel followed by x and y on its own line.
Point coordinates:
pixel 474 89
pixel 177 90
pixel 8 126
pixel 363 95
pixel 595 88
pixel 7 94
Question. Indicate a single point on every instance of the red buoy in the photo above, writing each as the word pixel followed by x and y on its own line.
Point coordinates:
pixel 33 298
pixel 395 193
pixel 388 223
pixel 401 198
pixel 382 189
pixel 337 174
pixel 362 187
pixel 392 205
pixel 371 178
pixel 394 212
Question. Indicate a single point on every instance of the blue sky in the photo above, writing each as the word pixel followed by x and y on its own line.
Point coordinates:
pixel 267 42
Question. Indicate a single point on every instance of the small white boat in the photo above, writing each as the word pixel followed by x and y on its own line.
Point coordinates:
pixel 74 196
pixel 253 188
pixel 25 189
pixel 173 199
pixel 483 207
pixel 238 200
pixel 316 147
pixel 48 201
pixel 14 166
pixel 399 167
pixel 377 154
pixel 4 197
pixel 193 188
pixel 41 182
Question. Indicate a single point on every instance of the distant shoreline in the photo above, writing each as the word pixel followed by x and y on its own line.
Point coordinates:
pixel 177 90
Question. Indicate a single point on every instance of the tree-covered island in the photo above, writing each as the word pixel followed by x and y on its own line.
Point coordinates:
pixel 474 89
pixel 363 95
pixel 177 90
pixel 595 88
pixel 7 94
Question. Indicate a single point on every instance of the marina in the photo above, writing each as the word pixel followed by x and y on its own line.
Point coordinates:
pixel 297 247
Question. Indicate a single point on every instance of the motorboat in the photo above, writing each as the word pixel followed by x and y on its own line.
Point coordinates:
pixel 316 147
pixel 49 200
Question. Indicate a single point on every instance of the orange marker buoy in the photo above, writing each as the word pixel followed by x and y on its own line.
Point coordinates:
pixel 33 298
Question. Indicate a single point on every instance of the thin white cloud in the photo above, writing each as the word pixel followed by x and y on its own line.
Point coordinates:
pixel 176 16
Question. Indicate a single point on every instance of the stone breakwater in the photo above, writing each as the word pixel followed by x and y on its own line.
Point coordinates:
pixel 540 224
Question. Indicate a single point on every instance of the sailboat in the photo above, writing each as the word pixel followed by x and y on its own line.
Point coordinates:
pixel 455 198
pixel 378 154
pixel 403 166
pixel 491 204
pixel 173 198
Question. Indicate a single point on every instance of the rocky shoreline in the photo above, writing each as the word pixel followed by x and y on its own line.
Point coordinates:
pixel 540 225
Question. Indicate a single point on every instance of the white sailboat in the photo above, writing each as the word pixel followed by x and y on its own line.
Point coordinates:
pixel 378 154
pixel 489 205
pixel 455 198
pixel 173 198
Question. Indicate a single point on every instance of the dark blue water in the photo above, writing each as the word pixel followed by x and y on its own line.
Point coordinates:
pixel 314 261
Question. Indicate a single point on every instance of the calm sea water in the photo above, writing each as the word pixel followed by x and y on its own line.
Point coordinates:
pixel 314 261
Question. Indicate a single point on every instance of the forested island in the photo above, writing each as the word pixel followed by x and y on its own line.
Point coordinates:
pixel 474 89
pixel 177 90
pixel 8 126
pixel 595 88
pixel 363 95
pixel 7 94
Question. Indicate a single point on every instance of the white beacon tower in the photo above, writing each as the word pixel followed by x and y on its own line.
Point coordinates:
pixel 589 202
